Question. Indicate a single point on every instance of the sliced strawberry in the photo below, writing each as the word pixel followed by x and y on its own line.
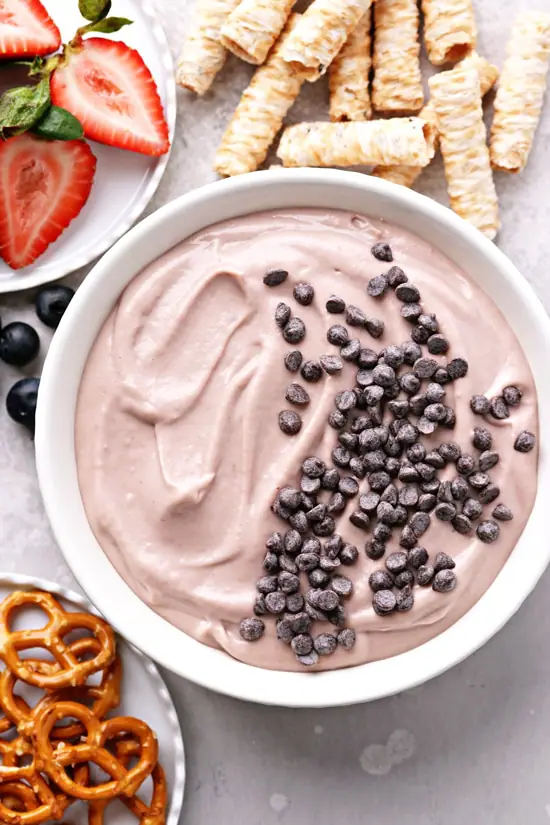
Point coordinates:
pixel 43 185
pixel 108 87
pixel 26 29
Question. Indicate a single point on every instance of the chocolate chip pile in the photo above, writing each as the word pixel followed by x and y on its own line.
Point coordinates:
pixel 396 396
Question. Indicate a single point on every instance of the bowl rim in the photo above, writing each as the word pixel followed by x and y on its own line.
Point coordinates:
pixel 171 647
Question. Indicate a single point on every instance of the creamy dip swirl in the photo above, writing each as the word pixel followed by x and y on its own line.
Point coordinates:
pixel 178 446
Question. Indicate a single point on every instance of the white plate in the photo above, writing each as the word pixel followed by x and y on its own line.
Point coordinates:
pixel 143 695
pixel 125 181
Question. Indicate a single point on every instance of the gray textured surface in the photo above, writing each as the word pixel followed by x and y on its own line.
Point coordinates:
pixel 469 747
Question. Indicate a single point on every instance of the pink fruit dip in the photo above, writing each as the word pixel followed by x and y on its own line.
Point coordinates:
pixel 179 451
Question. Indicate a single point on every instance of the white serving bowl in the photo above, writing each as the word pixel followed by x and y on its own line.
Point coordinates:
pixel 55 446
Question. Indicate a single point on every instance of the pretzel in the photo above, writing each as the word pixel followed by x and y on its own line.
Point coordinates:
pixel 153 814
pixel 104 697
pixel 51 804
pixel 60 623
pixel 55 758
pixel 16 796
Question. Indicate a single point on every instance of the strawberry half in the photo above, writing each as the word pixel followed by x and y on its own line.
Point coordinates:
pixel 26 29
pixel 108 87
pixel 43 185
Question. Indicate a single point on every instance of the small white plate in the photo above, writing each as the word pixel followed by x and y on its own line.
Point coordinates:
pixel 143 695
pixel 125 181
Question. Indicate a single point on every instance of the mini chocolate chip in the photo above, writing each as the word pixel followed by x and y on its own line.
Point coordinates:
pixel 274 543
pixel 401 516
pixel 380 580
pixel 325 644
pixel 375 327
pixel 390 495
pixel 337 617
pixel 393 355
pixel 310 487
pixel 337 419
pixel 478 480
pixel 429 321
pixel 404 579
pixel 450 418
pixel 445 512
pixel 407 539
pixel 407 434
pixel 299 623
pixel 275 277
pixel 482 438
pixel 355 317
pixel 342 586
pixel 512 395
pixel 419 523
pixel 370 440
pixel 345 400
pixel 396 276
pixel 411 313
pixel 457 368
pixel 417 557
pixel 396 562
pixel 330 480
pixel 465 464
pixel 251 629
pixel 525 442
pixel 331 364
pixel 314 613
pixel 435 459
pixel 350 351
pixel 332 546
pixel 502 513
pixel 384 602
pixel 435 412
pixel 306 562
pixel 296 394
pixel 382 532
pixel 425 575
pixel 400 409
pixel 375 549
pixel 267 584
pixel 426 502
pixel 302 644
pixel 309 660
pixel 408 473
pixel 338 335
pixel 280 511
pixel 420 335
pixel 303 293
pixel 462 524
pixel 316 513
pixel 425 471
pixel 459 488
pixel 324 528
pixel 292 542
pixel 259 606
pixel 364 378
pixel 499 408
pixel 367 359
pixel 294 331
pixel 405 597
pixel 349 441
pixel 360 520
pixel 271 562
pixel 374 460
pixel 347 638
pixel 313 467
pixel 289 497
pixel 377 286
pixel 275 602
pixel 318 578
pixel 362 422
pixel 489 493
pixel 383 375
pixel 392 466
pixel 368 502
pixel 290 422
pixel 348 486
pixel 450 451
pixel 311 371
pixel 349 554
pixel 293 360
pixel 443 562
pixel 488 459
pixel 335 305
pixel 382 252
pixel 441 376
pixel 438 344
pixel 424 367
pixel 393 448
pixel 408 496
pixel 409 383
pixel 444 581
pixel 407 293
pixel 430 486
pixel 480 405
pixel 434 393
pixel 322 599
pixel 378 481
pixel 288 583
pixel 385 513
pixel 299 521
pixel 357 468
pixel 282 314
pixel 341 456
pixel 445 492
pixel 472 509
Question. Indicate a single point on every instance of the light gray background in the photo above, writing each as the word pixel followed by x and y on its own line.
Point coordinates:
pixel 472 746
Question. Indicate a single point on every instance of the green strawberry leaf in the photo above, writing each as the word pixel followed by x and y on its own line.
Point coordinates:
pixel 22 107
pixel 58 124
pixel 109 25
pixel 94 9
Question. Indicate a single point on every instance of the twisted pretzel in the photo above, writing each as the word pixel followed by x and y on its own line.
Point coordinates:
pixel 16 796
pixel 54 760
pixel 50 804
pixel 153 814
pixel 70 672
pixel 105 696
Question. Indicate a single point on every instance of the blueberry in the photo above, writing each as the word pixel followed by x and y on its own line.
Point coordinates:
pixel 21 402
pixel 51 303
pixel 19 344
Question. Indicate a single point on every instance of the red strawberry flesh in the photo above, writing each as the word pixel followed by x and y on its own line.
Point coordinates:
pixel 108 87
pixel 43 186
pixel 26 29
